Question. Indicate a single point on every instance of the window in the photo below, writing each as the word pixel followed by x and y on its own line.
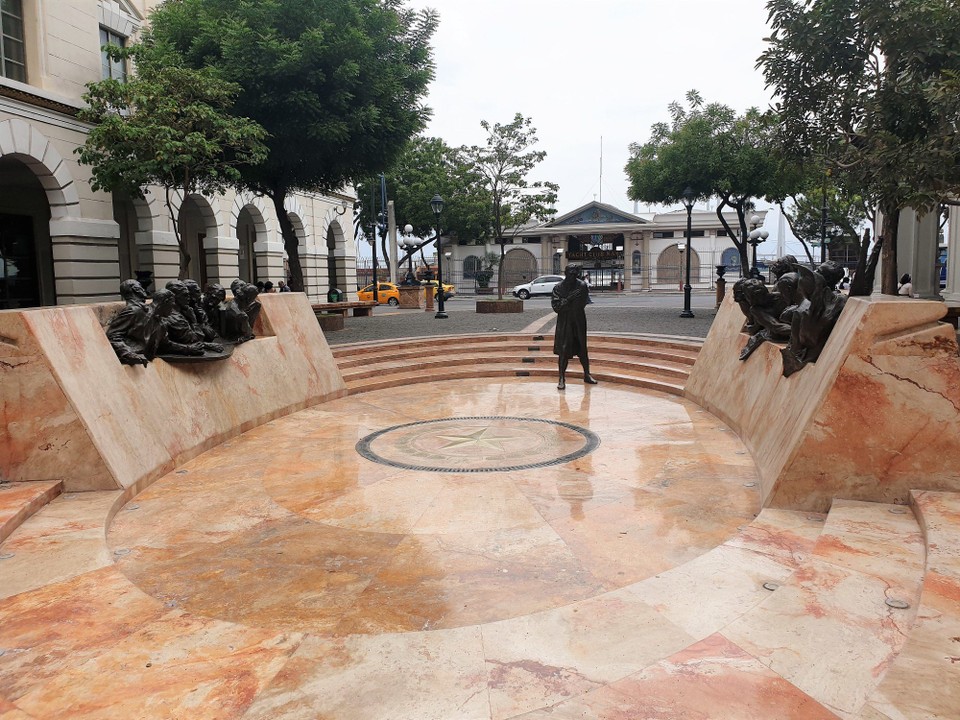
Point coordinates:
pixel 697 233
pixel 110 68
pixel 12 54
pixel 721 233
pixel 663 234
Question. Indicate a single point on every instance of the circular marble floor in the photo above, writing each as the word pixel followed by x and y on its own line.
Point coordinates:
pixel 291 528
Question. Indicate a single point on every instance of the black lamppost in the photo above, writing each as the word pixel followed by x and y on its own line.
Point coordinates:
pixel 688 197
pixel 756 237
pixel 408 243
pixel 437 205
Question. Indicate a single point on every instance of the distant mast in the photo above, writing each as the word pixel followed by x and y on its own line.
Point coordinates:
pixel 601 168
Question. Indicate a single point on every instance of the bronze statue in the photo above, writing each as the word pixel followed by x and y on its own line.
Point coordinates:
pixel 129 330
pixel 211 301
pixel 181 322
pixel 570 297
pixel 238 315
pixel 814 318
pixel 202 325
pixel 765 309
pixel 163 307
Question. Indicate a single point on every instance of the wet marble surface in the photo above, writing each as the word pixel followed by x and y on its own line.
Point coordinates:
pixel 284 576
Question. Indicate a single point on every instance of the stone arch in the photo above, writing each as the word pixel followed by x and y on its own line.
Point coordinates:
pixel 27 144
pixel 471 266
pixel 298 217
pixel 259 209
pixel 671 267
pixel 731 258
pixel 197 221
pixel 519 266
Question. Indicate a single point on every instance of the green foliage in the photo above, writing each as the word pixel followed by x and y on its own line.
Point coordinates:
pixel 168 126
pixel 871 87
pixel 337 84
pixel 715 152
pixel 428 166
pixel 504 163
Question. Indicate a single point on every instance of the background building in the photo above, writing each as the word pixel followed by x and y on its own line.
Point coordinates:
pixel 61 242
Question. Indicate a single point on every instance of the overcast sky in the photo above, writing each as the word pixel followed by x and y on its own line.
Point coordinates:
pixel 586 70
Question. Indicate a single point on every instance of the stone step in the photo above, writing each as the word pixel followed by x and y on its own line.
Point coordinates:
pixel 20 500
pixel 365 356
pixel 599 362
pixel 837 622
pixel 465 372
pixel 686 347
pixel 930 658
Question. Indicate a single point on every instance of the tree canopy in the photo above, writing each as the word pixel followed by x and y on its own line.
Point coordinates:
pixel 871 88
pixel 167 126
pixel 716 153
pixel 337 84
pixel 504 163
pixel 428 166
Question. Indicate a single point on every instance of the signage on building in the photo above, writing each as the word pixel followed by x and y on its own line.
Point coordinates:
pixel 595 254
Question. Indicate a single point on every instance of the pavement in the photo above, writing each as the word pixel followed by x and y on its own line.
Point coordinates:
pixel 652 313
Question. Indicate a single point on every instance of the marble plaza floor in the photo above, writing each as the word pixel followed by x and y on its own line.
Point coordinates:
pixel 461 550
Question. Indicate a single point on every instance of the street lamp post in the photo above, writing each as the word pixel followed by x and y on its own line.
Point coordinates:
pixel 437 205
pixel 688 197
pixel 756 237
pixel 408 243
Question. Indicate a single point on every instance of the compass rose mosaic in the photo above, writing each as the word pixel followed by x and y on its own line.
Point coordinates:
pixel 478 444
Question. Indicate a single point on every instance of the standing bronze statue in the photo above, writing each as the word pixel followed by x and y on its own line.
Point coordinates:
pixel 570 297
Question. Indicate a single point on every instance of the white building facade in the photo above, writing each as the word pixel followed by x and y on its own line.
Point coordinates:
pixel 619 250
pixel 63 243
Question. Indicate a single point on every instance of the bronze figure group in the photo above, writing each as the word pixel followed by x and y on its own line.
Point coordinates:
pixel 801 310
pixel 181 322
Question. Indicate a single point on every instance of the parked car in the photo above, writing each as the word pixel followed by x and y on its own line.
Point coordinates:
pixel 386 293
pixel 448 290
pixel 542 285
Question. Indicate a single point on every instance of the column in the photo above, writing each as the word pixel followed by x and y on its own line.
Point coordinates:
pixel 86 260
pixel 159 253
pixel 222 259
pixel 951 293
pixel 926 284
pixel 269 258
pixel 907 243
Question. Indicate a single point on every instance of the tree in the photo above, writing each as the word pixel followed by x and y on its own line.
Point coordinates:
pixel 337 84
pixel 426 167
pixel 871 86
pixel 168 126
pixel 845 215
pixel 504 162
pixel 710 149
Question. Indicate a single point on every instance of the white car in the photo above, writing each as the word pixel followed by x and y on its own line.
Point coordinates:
pixel 543 285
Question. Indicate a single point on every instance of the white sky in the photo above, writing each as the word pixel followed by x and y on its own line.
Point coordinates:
pixel 582 70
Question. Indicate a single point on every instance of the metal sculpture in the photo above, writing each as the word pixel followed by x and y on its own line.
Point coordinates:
pixel 570 297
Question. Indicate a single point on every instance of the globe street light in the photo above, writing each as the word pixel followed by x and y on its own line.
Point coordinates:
pixel 756 237
pixel 408 243
pixel 688 197
pixel 437 205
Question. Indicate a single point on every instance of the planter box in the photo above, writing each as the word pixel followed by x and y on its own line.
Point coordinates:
pixel 500 306
pixel 330 321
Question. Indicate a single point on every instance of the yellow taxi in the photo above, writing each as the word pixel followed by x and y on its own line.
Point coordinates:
pixel 387 292
pixel 448 290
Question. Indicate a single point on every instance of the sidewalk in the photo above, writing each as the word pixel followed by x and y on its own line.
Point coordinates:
pixel 609 314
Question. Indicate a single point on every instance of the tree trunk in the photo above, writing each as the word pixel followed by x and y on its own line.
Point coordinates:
pixel 291 243
pixel 500 277
pixel 890 277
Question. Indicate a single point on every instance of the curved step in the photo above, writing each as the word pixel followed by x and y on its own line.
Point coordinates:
pixel 661 364
pixel 924 680
pixel 20 500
